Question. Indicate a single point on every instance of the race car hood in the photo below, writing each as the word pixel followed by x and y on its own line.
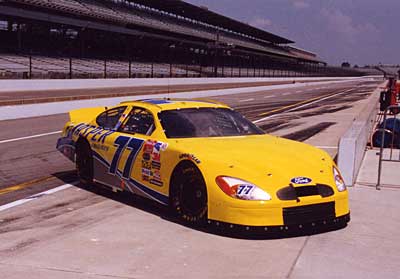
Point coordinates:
pixel 265 160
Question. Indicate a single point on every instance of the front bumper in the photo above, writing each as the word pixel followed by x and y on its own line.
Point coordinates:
pixel 295 229
pixel 279 213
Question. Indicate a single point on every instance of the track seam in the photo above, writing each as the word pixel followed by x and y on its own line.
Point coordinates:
pixel 297 258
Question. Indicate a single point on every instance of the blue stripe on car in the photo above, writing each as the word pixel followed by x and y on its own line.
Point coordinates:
pixel 153 194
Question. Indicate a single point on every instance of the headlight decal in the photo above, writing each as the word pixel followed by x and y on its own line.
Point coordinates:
pixel 240 189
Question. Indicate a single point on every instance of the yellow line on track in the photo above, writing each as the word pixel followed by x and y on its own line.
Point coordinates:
pixel 25 185
pixel 296 104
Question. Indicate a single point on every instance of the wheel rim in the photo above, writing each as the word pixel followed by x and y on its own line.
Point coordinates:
pixel 193 197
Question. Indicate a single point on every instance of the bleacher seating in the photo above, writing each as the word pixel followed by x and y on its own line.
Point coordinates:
pixel 19 66
pixel 124 14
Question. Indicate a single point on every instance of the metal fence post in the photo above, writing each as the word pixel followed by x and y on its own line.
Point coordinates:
pixel 105 68
pixel 152 69
pixel 70 68
pixel 30 67
pixel 130 69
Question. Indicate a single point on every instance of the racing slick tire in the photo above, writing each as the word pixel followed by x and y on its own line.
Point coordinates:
pixel 84 162
pixel 188 194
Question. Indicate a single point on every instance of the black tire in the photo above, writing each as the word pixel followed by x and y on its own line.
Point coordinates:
pixel 84 162
pixel 188 194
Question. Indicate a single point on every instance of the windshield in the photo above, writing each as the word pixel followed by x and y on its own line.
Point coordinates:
pixel 206 122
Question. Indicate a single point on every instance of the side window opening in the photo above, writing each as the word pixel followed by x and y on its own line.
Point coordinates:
pixel 109 119
pixel 140 121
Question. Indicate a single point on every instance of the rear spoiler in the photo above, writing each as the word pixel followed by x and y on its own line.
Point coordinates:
pixel 85 115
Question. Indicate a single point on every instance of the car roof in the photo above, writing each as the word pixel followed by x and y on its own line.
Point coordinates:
pixel 170 104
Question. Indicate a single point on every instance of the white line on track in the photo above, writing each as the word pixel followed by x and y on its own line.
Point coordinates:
pixel 246 100
pixel 299 91
pixel 285 94
pixel 30 137
pixel 36 196
pixel 269 96
pixel 305 105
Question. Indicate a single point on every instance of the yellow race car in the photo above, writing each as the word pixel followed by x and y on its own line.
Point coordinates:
pixel 208 163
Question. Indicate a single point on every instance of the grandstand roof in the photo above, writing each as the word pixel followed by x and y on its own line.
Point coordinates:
pixel 185 9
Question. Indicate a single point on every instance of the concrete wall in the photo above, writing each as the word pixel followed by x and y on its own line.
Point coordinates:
pixel 352 145
pixel 65 84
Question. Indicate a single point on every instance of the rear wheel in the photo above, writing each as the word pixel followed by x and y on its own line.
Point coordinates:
pixel 188 194
pixel 84 162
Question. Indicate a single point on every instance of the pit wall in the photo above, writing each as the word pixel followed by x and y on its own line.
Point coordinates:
pixel 352 145
pixel 65 84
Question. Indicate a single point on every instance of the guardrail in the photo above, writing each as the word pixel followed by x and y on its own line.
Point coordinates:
pixel 389 133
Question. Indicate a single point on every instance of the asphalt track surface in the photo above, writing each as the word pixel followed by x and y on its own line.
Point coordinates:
pixel 29 162
pixel 47 96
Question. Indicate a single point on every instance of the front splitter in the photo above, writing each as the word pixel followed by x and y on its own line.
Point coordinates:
pixel 313 227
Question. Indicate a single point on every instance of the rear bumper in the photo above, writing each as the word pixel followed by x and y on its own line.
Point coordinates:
pixel 67 147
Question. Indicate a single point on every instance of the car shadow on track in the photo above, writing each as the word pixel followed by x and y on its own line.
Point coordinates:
pixel 215 228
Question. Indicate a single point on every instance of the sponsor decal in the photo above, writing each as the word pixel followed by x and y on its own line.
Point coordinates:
pixel 151 161
pixel 301 180
pixel 148 146
pixel 95 134
pixel 156 165
pixel 160 146
pixel 146 164
pixel 100 147
pixel 156 182
pixel 190 157
pixel 156 157
pixel 146 156
pixel 145 178
pixel 156 174
pixel 146 172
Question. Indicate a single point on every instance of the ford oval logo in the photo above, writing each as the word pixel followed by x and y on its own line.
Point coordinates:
pixel 301 180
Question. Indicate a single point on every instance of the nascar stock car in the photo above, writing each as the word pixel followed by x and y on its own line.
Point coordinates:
pixel 207 162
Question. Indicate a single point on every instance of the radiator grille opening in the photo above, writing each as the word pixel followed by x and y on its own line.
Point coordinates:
pixel 308 213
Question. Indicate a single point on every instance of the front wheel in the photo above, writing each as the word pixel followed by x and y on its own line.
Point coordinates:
pixel 188 194
pixel 84 162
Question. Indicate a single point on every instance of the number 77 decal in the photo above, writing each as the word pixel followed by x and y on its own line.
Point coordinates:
pixel 122 143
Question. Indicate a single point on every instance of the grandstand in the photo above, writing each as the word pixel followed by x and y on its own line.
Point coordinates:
pixel 141 38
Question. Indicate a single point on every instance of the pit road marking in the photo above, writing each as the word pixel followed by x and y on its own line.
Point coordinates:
pixel 246 100
pixel 30 137
pixel 25 185
pixel 298 105
pixel 36 196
